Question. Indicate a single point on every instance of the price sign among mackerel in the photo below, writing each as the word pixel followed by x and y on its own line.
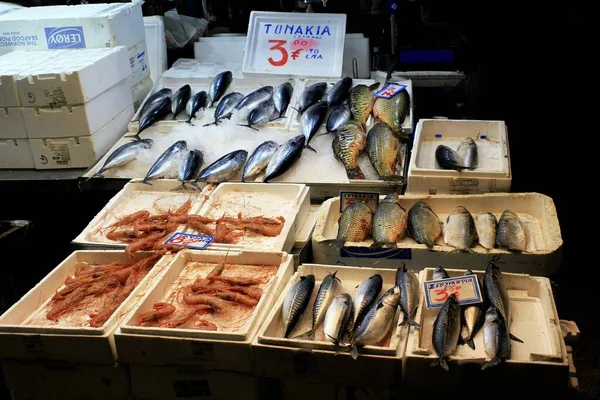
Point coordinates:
pixel 466 289
pixel 295 44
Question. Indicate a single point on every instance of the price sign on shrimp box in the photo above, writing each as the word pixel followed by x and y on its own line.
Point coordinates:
pixel 466 289
pixel 190 241
pixel 295 44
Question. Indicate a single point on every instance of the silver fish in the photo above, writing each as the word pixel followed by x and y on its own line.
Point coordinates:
pixel 377 322
pixel 448 158
pixel 282 97
pixel 179 99
pixel 496 340
pixel 311 121
pixel 472 317
pixel 153 98
pixel 226 106
pixel 219 86
pixel 339 92
pixel 224 168
pixel 511 234
pixel 467 150
pixel 259 159
pixel 446 331
pixel 485 224
pixel 329 288
pixel 123 155
pixel 408 283
pixel 459 231
pixel 440 273
pixel 285 157
pixel 254 99
pixel 311 95
pixel 163 166
pixel 262 114
pixel 338 117
pixel 159 109
pixel 365 296
pixel 195 103
pixel 295 302
pixel 338 315
pixel 190 168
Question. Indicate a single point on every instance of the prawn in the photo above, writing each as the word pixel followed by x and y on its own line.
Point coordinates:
pixel 236 281
pixel 205 325
pixel 159 310
pixel 195 299
pixel 131 218
pixel 237 298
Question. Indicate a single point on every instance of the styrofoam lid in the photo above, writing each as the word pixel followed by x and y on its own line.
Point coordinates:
pixel 295 44
pixel 62 12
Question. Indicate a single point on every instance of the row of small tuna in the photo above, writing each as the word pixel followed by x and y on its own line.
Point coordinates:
pixel 390 222
pixel 366 321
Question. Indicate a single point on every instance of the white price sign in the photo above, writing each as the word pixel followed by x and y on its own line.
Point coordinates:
pixel 295 44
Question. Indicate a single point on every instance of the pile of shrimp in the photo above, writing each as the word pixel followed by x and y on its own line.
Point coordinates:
pixel 143 231
pixel 224 298
pixel 99 287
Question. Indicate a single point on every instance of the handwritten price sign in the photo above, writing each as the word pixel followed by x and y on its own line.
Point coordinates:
pixel 390 90
pixel 347 198
pixel 187 240
pixel 295 44
pixel 466 289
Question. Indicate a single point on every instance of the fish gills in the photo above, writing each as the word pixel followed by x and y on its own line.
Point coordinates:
pixel 347 144
pixel 446 331
pixel 485 224
pixel 496 339
pixel 459 231
pixel 389 222
pixel 382 148
pixel 511 234
pixel 354 224
pixel 392 111
pixel 295 302
pixel 424 226
pixel 328 289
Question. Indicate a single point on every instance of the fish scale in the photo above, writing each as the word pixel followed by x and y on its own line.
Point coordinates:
pixel 485 225
pixel 339 91
pixel 446 331
pixel 327 291
pixel 389 222
pixel 392 111
pixel 382 148
pixel 255 98
pixel 510 233
pixel 360 102
pixel 295 302
pixel 459 231
pixel 494 292
pixel 347 145
pixel 354 224
pixel 366 294
pixel 424 226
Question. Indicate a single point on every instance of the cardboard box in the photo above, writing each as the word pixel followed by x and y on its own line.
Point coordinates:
pixel 12 125
pixel 16 153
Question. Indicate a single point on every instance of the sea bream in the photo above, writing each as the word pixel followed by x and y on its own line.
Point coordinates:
pixel 259 159
pixel 153 98
pixel 467 150
pixel 255 98
pixel 123 155
pixel 219 86
pixel 377 322
pixel 195 103
pixel 424 226
pixel 410 294
pixel 190 168
pixel 338 117
pixel 285 157
pixel 393 111
pixel 282 97
pixel 179 99
pixel 354 224
pixel 329 288
pixel 224 168
pixel 226 106
pixel 360 102
pixel 510 233
pixel 165 166
pixel 473 318
pixel 382 148
pixel 459 230
pixel 485 224
pixel 390 221
pixel 159 109
pixel 496 340
pixel 311 95
pixel 347 145
pixel 365 296
pixel 295 302
pixel 337 318
pixel 339 92
pixel 446 331
pixel 311 121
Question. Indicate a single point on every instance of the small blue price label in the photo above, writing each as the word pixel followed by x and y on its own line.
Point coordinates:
pixel 466 289
pixel 190 241
pixel 390 90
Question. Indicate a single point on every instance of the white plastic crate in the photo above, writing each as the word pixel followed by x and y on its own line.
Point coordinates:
pixel 156 45
pixel 493 172
pixel 140 91
pixel 72 77
pixel 16 153
pixel 139 63
pixel 81 120
pixel 12 125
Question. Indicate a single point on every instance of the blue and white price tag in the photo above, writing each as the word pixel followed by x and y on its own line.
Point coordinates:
pixel 190 241
pixel 466 289
pixel 390 90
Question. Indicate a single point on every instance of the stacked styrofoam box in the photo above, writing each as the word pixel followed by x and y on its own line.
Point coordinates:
pixel 68 107
pixel 78 27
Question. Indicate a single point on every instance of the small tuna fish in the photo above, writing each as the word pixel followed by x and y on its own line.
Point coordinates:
pixel 354 224
pixel 440 273
pixel 338 117
pixel 467 150
pixel 459 230
pixel 254 99
pixel 224 168
pixel 393 111
pixel 473 318
pixel 496 340
pixel 448 158
pixel 339 92
pixel 390 221
pixel 195 103
pixel 226 106
pixel 285 157
pixel 153 98
pixel 179 99
pixel 123 155
pixel 365 296
pixel 347 145
pixel 311 95
pixel 262 114
pixel 159 109
pixel 295 302
pixel 338 315
pixel 409 286
pixel 190 168
pixel 511 234
pixel 311 121
pixel 329 288
pixel 219 86
pixel 163 167
pixel 486 224
pixel 446 331
pixel 360 102
pixel 259 159
pixel 382 148
pixel 282 97
pixel 424 226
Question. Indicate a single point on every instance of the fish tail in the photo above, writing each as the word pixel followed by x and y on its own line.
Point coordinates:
pixel 355 173
pixel 180 187
pixel 354 352
pixel 414 323
pixel 471 344
pixel 516 339
pixel 248 126
pixel 174 116
pixel 189 121
pixel 195 186
pixel 96 175
pixel 212 123
pixel 308 146
pixel 145 182
pixel 135 137
pixel 311 334
pixel 295 109
pixel 377 245
pixel 441 362
pixel 493 362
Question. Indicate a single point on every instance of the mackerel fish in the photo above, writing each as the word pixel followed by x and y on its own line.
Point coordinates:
pixel 295 302
pixel 337 318
pixel 410 294
pixel 446 331
pixel 329 288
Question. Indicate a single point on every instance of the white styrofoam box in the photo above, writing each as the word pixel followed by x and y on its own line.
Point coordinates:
pixel 213 350
pixel 12 125
pixel 140 91
pixel 319 37
pixel 139 63
pixel 16 153
pixel 79 152
pixel 73 77
pixel 536 212
pixel 493 172
pixel 72 27
pixel 357 48
pixel 6 7
pixel 74 121
pixel 540 362
pixel 157 47
pixel 10 66
pixel 82 344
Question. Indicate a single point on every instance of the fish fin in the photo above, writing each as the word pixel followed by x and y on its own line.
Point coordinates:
pixel 354 352
pixel 337 243
pixel 323 134
pixel 145 182
pixel 335 341
pixel 212 123
pixel 444 364
pixel 413 323
pixel 374 86
pixel 376 245
pixel 96 175
pixel 189 121
pixel 180 187
pixel 248 126
pixel 295 109
pixel 355 173
pixel 470 250
pixel 195 185
pixel 516 339
pixel 435 363
pixel 471 344
pixel 461 340
pixel 379 305
pixel 135 137
pixel 308 146
pixel 494 361
pixel 311 334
